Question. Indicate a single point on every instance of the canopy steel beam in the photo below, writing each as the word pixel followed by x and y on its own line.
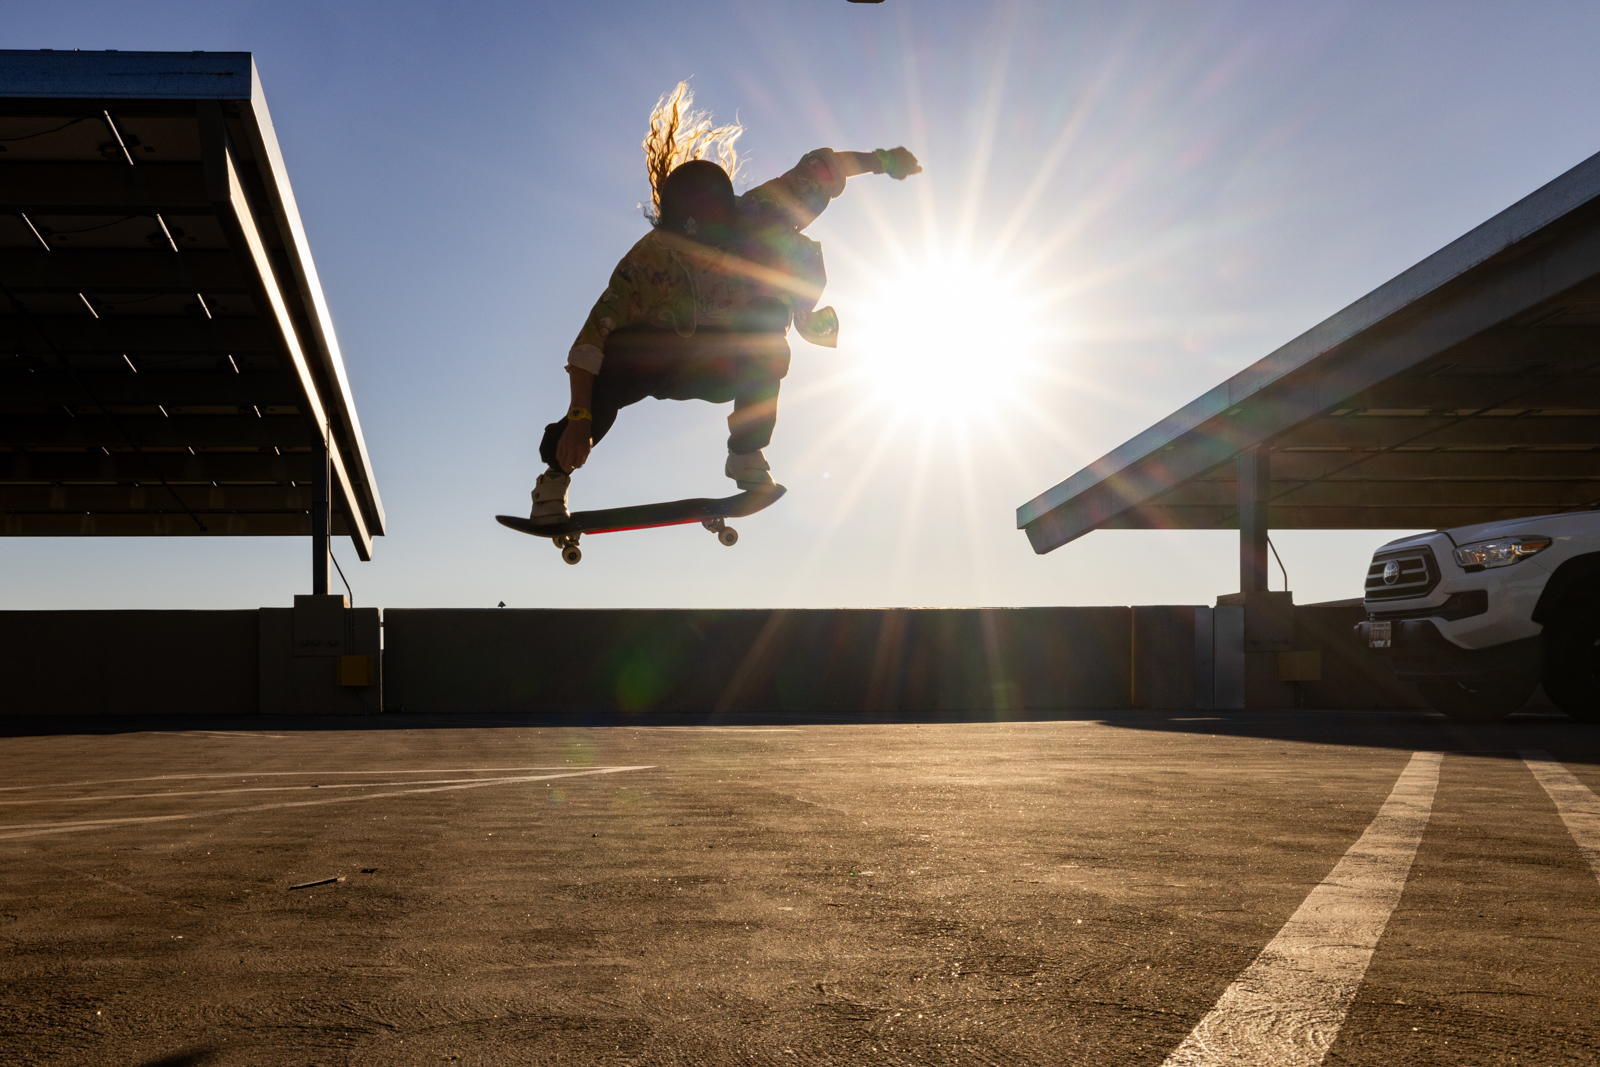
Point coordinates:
pixel 1252 486
pixel 321 523
pixel 1291 467
pixel 1482 431
pixel 227 193
pixel 121 386
pixel 157 497
pixel 323 342
pixel 161 524
pixel 153 467
pixel 123 270
pixel 1465 394
pixel 80 335
pixel 1558 495
pixel 84 189
pixel 146 431
pixel 1342 517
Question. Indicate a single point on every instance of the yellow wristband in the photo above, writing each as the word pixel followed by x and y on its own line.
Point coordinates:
pixel 579 415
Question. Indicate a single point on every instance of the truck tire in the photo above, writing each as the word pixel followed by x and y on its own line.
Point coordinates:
pixel 1572 665
pixel 1476 699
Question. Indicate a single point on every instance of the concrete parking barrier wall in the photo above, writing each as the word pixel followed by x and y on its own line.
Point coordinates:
pixel 128 662
pixel 872 663
pixel 915 661
pixel 1167 673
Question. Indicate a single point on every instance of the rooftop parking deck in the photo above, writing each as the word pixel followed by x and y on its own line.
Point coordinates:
pixel 776 889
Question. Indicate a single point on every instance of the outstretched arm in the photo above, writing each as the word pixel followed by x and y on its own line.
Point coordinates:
pixel 897 163
pixel 796 198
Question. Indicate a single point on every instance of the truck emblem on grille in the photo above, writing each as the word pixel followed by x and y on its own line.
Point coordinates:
pixel 1391 572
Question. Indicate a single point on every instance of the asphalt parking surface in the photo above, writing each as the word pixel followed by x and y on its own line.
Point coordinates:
pixel 1084 891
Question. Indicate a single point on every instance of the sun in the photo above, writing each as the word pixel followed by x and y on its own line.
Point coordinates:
pixel 945 340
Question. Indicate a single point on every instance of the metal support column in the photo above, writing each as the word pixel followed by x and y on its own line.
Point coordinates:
pixel 1254 486
pixel 321 524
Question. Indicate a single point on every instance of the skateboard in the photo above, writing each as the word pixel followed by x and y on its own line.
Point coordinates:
pixel 712 513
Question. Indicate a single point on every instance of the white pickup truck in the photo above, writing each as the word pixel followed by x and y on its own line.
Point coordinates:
pixel 1479 615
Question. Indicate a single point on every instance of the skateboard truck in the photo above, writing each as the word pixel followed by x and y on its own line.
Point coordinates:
pixel 725 533
pixel 568 544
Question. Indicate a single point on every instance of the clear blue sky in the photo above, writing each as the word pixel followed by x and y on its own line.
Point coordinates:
pixel 1165 192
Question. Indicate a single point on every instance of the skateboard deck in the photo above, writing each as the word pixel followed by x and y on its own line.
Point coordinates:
pixel 711 512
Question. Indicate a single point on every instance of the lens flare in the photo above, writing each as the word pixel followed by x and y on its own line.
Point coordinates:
pixel 943 339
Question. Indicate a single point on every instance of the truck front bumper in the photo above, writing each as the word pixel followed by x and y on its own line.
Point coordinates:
pixel 1417 649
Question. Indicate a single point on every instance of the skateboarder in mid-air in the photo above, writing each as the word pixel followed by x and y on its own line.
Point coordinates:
pixel 700 308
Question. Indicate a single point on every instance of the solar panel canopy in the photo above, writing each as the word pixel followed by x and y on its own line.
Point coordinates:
pixel 168 364
pixel 1465 390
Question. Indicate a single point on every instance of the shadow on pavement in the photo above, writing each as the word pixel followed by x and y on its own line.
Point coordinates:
pixel 1397 729
pixel 185 1058
pixel 1406 729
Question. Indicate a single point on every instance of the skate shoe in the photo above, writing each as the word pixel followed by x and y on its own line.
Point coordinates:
pixel 749 471
pixel 550 498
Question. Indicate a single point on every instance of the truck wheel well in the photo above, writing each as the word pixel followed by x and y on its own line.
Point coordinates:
pixel 1575 578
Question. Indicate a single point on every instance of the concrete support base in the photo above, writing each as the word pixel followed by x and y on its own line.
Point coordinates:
pixel 306 654
pixel 1268 629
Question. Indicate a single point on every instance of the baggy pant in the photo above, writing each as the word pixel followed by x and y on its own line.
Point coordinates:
pixel 713 365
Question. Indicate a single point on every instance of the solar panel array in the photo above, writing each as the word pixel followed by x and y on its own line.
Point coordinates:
pixel 167 365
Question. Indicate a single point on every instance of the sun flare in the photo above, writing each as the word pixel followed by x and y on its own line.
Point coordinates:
pixel 943 339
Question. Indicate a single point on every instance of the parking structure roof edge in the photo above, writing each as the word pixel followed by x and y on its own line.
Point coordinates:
pixel 60 73
pixel 1501 233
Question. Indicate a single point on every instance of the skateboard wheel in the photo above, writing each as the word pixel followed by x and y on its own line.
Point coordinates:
pixel 728 536
pixel 572 554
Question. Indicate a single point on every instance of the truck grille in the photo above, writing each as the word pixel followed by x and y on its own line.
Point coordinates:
pixel 1417 574
pixel 1465 605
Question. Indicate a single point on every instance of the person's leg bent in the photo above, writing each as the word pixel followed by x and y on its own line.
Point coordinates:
pixel 763 362
pixel 755 415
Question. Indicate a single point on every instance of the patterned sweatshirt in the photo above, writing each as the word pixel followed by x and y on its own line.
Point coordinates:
pixel 670 282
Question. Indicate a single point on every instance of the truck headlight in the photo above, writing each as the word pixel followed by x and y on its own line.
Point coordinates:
pixel 1501 552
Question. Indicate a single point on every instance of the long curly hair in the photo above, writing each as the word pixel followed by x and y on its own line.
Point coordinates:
pixel 679 134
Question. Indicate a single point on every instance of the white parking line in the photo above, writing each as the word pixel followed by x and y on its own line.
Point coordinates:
pixel 247 775
pixel 1287 1006
pixel 225 734
pixel 1575 802
pixel 93 799
pixel 8 833
pixel 733 729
